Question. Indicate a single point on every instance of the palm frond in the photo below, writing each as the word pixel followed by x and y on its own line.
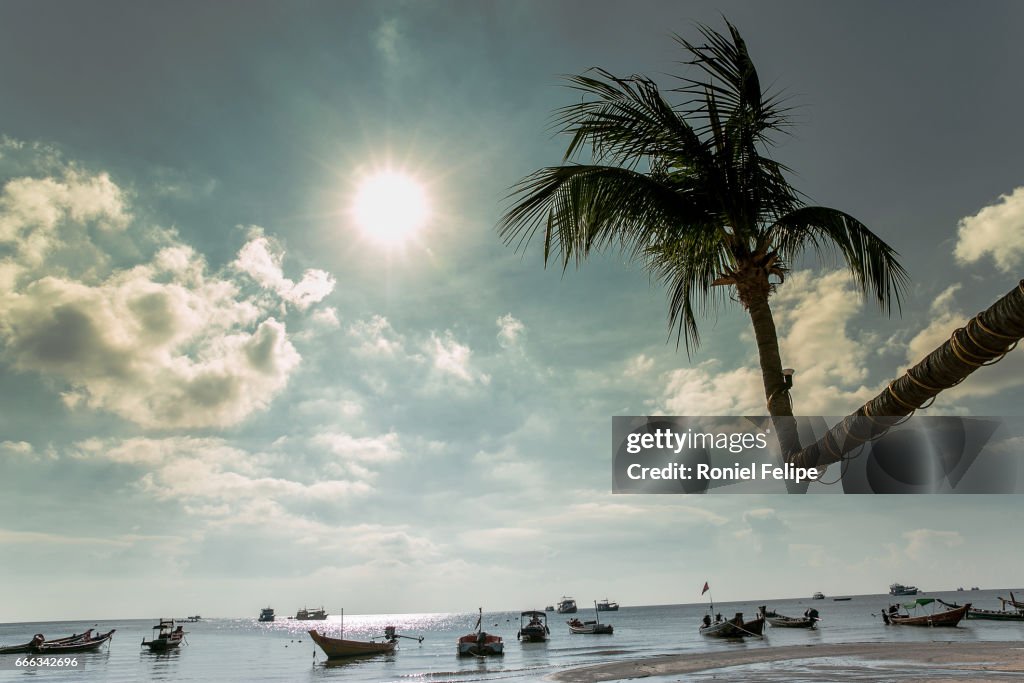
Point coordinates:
pixel 586 207
pixel 872 262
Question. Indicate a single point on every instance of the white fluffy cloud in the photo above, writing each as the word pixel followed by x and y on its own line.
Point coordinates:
pixel 996 230
pixel 510 331
pixel 164 343
pixel 261 259
pixel 452 361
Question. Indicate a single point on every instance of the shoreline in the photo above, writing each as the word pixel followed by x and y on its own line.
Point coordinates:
pixel 953 658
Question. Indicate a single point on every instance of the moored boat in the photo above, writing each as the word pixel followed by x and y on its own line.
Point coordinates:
pixel 900 589
pixel 808 620
pixel 818 596
pixel 732 628
pixel 24 647
pixel 606 606
pixel 480 643
pixel 1012 602
pixel 991 614
pixel 566 606
pixel 535 630
pixel 952 617
pixel 594 627
pixel 267 614
pixel 167 636
pixel 549 608
pixel 340 648
pixel 311 614
pixel 83 644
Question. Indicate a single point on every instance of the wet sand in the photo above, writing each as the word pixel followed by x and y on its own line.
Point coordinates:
pixel 935 661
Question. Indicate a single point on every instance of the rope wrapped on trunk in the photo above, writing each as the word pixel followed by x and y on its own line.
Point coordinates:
pixel 984 340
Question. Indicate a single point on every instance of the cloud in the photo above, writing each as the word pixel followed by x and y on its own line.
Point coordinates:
pixel 376 337
pixel 32 210
pixel 922 543
pixel 706 390
pixel 386 39
pixel 996 230
pixel 215 478
pixel 510 331
pixel 451 361
pixel 19 448
pixel 162 341
pixel 261 259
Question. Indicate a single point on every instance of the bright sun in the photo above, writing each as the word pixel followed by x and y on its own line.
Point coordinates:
pixel 390 207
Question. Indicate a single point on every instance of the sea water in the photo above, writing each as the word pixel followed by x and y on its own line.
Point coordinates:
pixel 242 649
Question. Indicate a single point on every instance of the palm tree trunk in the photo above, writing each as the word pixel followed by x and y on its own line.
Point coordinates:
pixel 780 407
pixel 984 340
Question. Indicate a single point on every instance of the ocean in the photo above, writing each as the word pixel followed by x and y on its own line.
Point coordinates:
pixel 242 649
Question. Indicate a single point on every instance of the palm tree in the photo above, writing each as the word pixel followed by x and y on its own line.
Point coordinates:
pixel 984 340
pixel 691 192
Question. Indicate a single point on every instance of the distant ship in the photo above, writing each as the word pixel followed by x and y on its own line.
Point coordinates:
pixel 605 606
pixel 267 614
pixel 900 589
pixel 566 606
pixel 818 596
pixel 311 614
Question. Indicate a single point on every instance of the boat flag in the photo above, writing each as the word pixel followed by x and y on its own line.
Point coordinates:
pixel 706 588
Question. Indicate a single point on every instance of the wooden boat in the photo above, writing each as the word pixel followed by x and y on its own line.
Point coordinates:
pixel 1013 602
pixel 605 606
pixel 311 614
pixel 25 647
pixel 167 636
pixel 841 599
pixel 733 628
pixel 84 644
pixel 900 589
pixel 480 643
pixel 534 631
pixel 818 596
pixel 339 648
pixel 566 606
pixel 39 640
pixel 809 620
pixel 995 615
pixel 950 617
pixel 267 614
pixel 589 627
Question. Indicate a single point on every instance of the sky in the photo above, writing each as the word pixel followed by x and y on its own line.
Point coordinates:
pixel 218 391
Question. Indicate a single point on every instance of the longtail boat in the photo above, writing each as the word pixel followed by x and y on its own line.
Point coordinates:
pixel 950 617
pixel 1013 602
pixel 83 644
pixel 994 615
pixel 340 648
pixel 809 620
pixel 24 647
pixel 733 628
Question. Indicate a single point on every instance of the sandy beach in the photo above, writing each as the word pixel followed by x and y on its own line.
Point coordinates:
pixel 945 661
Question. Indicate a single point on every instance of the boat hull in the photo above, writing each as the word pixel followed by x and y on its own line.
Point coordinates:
pixel 480 645
pixel 791 622
pixel 994 615
pixel 734 628
pixel 949 618
pixel 339 648
pixel 592 629
pixel 83 645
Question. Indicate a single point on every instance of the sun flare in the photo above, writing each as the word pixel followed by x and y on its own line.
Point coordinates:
pixel 390 207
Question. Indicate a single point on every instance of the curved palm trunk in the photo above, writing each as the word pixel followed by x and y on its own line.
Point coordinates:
pixel 780 407
pixel 985 339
